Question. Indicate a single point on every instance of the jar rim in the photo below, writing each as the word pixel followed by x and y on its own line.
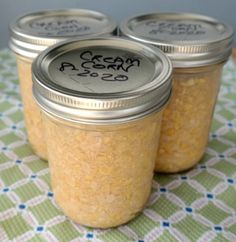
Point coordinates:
pixel 147 89
pixel 34 32
pixel 188 39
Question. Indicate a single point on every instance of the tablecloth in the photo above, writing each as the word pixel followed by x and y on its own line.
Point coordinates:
pixel 198 205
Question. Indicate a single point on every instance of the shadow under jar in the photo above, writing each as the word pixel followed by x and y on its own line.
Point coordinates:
pixel 198 47
pixel 33 33
pixel 102 125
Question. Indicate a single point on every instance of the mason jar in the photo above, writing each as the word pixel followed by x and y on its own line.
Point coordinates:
pixel 198 47
pixel 33 33
pixel 102 123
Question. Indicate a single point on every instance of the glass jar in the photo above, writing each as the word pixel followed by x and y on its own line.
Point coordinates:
pixel 32 114
pixel 187 118
pixel 101 175
pixel 198 47
pixel 34 32
pixel 102 125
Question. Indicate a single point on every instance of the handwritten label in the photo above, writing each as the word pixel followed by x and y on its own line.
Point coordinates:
pixel 59 26
pixel 175 28
pixel 101 69
pixel 107 68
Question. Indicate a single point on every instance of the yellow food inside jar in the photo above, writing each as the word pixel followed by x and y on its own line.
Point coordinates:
pixel 32 113
pixel 101 175
pixel 187 118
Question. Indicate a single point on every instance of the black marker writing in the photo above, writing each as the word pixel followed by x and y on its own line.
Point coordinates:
pixel 173 28
pixel 91 63
pixel 59 26
pixel 67 65
pixel 100 62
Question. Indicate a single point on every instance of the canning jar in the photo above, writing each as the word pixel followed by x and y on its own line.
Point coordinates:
pixel 198 47
pixel 33 33
pixel 102 125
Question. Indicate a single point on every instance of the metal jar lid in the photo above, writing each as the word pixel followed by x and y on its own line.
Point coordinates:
pixel 102 80
pixel 34 32
pixel 190 40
